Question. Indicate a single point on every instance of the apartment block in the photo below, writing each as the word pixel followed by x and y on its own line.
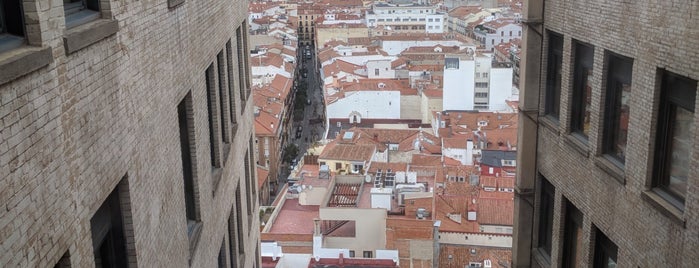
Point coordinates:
pixel 607 167
pixel 407 16
pixel 126 135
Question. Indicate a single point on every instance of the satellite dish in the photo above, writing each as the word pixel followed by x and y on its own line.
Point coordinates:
pixel 367 178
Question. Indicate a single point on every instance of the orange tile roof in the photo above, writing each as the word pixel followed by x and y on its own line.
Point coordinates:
pixel 262 176
pixel 463 11
pixel 495 211
pixel 350 152
pixel 461 255
pixel 433 93
pixel 395 167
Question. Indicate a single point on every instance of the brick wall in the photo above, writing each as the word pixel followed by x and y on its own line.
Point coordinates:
pixel 656 35
pixel 71 130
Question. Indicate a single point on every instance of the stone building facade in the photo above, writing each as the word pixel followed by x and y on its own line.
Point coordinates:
pixel 126 135
pixel 608 170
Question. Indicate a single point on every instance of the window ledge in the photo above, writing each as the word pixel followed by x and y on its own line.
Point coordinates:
pixel 664 207
pixel 87 34
pixel 603 162
pixel 174 3
pixel 23 60
pixel 550 123
pixel 194 240
pixel 579 143
pixel 541 258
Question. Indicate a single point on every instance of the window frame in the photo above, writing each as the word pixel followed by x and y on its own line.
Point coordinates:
pixel 79 12
pixel 582 70
pixel 547 199
pixel 603 247
pixel 676 92
pixel 9 38
pixel 553 83
pixel 571 230
pixel 619 72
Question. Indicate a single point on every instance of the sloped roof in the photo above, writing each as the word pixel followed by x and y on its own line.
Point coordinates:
pixel 494 158
pixel 349 152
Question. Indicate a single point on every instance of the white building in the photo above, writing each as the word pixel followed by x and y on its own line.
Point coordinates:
pixel 474 83
pixel 358 105
pixel 408 17
pixel 496 32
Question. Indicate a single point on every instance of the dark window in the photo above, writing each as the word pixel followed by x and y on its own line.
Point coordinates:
pixel 185 118
pixel 64 262
pixel 222 255
pixel 108 239
pixel 605 251
pixel 222 90
pixel 351 253
pixel 368 254
pixel 79 12
pixel 616 113
pixel 231 92
pixel 572 241
pixel 253 178
pixel 212 118
pixel 239 220
pixel 451 63
pixel 674 137
pixel 582 92
pixel 553 75
pixel 248 192
pixel 233 236
pixel 243 66
pixel 11 25
pixel 376 71
pixel 481 84
pixel 546 216
pixel 338 166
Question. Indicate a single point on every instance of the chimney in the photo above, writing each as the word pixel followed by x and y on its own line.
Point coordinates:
pixel 469 152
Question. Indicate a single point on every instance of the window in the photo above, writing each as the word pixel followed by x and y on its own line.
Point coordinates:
pixel 233 235
pixel 502 33
pixel 545 216
pixel 430 20
pixel 231 94
pixel 485 75
pixel 221 260
pixel 616 112
pixel 248 192
pixel 478 75
pixel 186 124
pixel 338 166
pixel 239 220
pixel 351 253
pixel 241 43
pixel 451 63
pixel 582 92
pixel 674 137
pixel 510 33
pixel 109 233
pixel 11 25
pixel 64 262
pixel 368 254
pixel 376 71
pixel 605 251
pixel 482 84
pixel 79 12
pixel 214 149
pixel 572 241
pixel 222 91
pixel 553 75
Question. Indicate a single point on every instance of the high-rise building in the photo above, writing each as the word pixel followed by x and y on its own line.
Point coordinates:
pixel 607 164
pixel 126 135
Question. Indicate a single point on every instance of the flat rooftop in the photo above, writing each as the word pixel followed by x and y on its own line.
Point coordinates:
pixel 294 218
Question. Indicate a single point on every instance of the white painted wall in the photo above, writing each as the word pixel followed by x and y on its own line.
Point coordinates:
pixel 475 239
pixel 382 66
pixel 370 228
pixel 459 87
pixel 500 88
pixel 370 104
pixel 395 47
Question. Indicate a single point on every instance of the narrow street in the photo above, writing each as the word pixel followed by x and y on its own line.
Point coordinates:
pixel 312 124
